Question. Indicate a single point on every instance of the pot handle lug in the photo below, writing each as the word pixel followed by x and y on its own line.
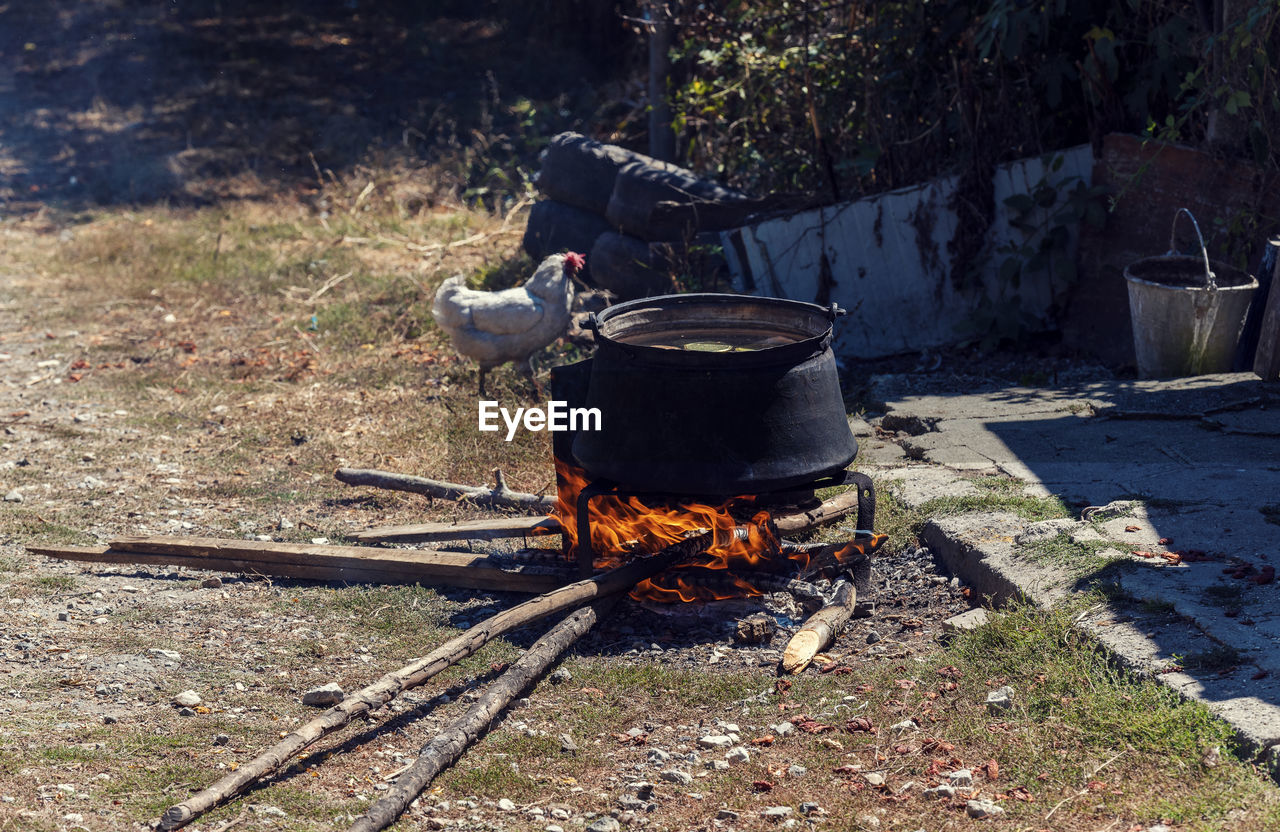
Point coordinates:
pixel 592 323
pixel 834 311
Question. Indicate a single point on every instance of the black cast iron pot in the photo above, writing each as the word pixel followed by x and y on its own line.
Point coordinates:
pixel 679 421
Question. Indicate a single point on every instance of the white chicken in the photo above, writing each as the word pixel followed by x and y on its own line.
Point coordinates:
pixel 511 325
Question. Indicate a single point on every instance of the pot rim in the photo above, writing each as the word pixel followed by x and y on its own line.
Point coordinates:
pixel 792 352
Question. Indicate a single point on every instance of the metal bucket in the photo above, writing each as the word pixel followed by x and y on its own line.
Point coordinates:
pixel 1187 313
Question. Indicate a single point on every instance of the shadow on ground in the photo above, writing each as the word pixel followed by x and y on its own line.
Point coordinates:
pixel 106 102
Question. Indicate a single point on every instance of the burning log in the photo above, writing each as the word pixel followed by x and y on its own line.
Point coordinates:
pixel 449 744
pixel 416 673
pixel 500 496
pixel 820 631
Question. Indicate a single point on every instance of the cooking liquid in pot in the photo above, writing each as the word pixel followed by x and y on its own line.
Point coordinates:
pixel 712 340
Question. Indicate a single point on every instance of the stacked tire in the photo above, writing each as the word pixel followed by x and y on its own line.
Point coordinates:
pixel 640 221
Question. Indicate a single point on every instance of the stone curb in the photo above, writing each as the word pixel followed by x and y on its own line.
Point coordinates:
pixel 980 550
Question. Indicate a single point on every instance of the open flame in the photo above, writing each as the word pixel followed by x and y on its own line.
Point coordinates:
pixel 626 527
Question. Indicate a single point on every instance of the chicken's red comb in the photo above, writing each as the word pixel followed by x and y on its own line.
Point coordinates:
pixel 573 262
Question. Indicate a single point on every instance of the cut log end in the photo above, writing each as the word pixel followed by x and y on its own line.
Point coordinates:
pixel 820 631
pixel 174 817
pixel 800 651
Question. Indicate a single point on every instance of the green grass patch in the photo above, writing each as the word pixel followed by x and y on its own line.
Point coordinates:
pixel 27 527
pixel 495 775
pixel 1069 692
pixel 662 683
pixel 1228 596
pixel 903 523
pixel 1065 551
pixel 55 583
pixel 1220 657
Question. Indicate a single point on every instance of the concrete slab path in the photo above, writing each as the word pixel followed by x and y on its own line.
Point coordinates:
pixel 1173 488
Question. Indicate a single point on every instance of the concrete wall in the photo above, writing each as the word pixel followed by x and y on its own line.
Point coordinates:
pixel 890 265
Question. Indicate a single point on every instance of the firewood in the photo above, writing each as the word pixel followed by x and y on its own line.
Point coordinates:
pixel 472 530
pixel 820 631
pixel 497 497
pixel 417 672
pixel 352 564
pixel 478 573
pixel 449 744
pixel 829 512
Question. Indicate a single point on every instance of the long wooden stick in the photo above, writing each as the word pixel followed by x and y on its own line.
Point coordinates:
pixel 449 744
pixel 414 674
pixel 312 563
pixel 820 631
pixel 498 529
pixel 500 496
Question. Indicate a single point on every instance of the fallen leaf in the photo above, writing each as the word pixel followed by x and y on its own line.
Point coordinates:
pixel 863 688
pixel 1165 541
pixel 767 739
pixel 1143 554
pixel 847 769
pixel 812 726
pixel 1132 528
pixel 782 686
pixel 860 723
pixel 762 785
pixel 993 770
pixel 905 684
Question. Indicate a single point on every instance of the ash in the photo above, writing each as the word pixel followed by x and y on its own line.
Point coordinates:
pixel 914 594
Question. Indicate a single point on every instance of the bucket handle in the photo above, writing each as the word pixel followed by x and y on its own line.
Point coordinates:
pixel 1204 252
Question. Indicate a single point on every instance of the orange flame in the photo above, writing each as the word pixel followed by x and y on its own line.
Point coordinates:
pixel 623 527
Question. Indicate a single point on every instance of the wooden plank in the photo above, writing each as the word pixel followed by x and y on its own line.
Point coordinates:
pixel 470 530
pixel 1266 361
pixel 392 567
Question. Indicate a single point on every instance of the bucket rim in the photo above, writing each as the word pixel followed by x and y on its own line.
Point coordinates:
pixel 1218 268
